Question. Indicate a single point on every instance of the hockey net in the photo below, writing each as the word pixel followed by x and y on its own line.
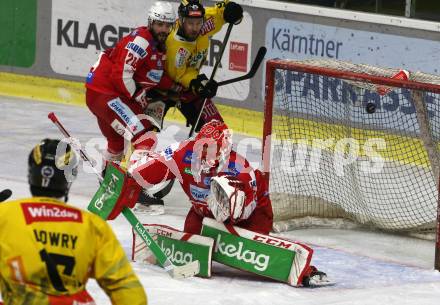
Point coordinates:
pixel 349 145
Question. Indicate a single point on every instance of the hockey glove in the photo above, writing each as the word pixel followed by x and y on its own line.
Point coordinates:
pixel 203 87
pixel 140 97
pixel 176 88
pixel 233 13
pixel 127 198
pixel 227 198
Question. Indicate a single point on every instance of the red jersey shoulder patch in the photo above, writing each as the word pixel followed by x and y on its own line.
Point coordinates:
pixel 48 212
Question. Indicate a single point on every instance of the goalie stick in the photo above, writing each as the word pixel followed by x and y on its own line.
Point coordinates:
pixel 174 271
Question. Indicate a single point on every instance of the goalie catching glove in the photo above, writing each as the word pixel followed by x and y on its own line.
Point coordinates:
pixel 228 199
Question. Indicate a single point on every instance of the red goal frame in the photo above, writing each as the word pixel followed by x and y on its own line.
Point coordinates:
pixel 274 64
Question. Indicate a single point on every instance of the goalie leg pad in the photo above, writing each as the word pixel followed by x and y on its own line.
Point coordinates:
pixel 269 256
pixel 260 221
pixel 181 248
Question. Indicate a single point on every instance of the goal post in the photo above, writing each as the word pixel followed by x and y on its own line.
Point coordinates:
pixel 352 145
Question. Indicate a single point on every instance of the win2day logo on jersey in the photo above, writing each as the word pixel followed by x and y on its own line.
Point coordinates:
pixel 48 212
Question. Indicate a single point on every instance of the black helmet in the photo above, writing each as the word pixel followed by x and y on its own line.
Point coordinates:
pixel 52 167
pixel 191 9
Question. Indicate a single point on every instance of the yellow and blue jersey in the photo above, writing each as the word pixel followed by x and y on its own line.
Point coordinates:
pixel 49 250
pixel 185 58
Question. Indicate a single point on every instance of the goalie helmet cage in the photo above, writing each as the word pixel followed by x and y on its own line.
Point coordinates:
pixel 352 142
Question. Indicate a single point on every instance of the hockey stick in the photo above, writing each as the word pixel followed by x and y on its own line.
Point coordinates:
pixel 251 73
pixel 174 271
pixel 214 70
pixel 255 65
pixel 5 194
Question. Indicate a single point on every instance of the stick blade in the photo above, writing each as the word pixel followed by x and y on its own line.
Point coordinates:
pixel 181 272
pixel 252 71
pixel 258 59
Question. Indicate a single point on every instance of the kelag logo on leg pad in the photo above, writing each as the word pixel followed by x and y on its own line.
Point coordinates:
pixel 265 255
pixel 237 251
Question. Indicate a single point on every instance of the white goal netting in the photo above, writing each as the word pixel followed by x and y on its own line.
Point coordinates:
pixel 352 142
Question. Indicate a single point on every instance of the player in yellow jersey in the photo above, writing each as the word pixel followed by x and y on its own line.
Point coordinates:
pixel 187 48
pixel 49 250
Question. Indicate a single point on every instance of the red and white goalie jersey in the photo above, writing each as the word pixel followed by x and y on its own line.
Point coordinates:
pixel 135 62
pixel 178 161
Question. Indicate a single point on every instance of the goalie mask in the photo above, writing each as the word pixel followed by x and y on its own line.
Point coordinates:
pixel 52 167
pixel 213 145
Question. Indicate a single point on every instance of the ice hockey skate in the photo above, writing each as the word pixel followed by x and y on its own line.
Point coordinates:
pixel 149 205
pixel 316 278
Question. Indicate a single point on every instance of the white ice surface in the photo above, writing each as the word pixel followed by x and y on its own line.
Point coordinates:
pixel 369 268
